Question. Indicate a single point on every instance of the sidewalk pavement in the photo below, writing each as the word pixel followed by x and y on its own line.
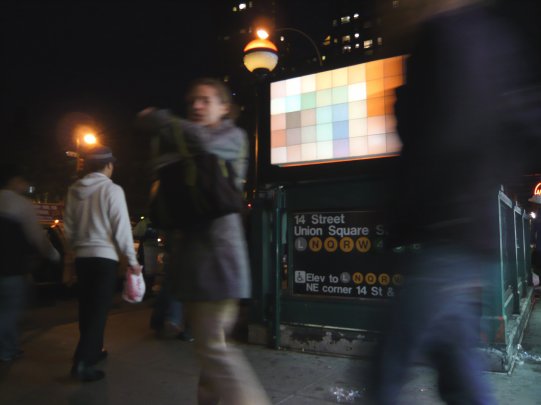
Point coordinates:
pixel 141 370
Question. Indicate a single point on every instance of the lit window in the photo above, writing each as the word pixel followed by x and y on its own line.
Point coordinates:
pixel 346 48
pixel 335 40
pixel 242 6
pixel 356 35
pixel 345 20
pixel 357 46
pixel 235 9
pixel 368 44
pixel 327 40
pixel 282 38
pixel 323 57
pixel 346 39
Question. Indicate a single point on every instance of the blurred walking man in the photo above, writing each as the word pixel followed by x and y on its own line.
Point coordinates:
pixel 21 237
pixel 464 134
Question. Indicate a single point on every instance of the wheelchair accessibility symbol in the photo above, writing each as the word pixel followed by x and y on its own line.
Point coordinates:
pixel 300 276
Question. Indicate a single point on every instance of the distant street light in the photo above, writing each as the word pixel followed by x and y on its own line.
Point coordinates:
pixel 84 139
pixel 90 139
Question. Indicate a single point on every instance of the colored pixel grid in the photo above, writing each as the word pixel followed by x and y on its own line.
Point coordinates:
pixel 336 115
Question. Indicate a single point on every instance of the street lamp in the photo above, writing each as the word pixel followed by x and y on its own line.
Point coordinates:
pixel 260 58
pixel 260 55
pixel 84 138
pixel 90 139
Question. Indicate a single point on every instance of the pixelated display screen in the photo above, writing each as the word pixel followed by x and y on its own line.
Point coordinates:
pixel 336 115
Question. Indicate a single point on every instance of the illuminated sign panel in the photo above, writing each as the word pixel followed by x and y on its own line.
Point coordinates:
pixel 341 114
pixel 537 189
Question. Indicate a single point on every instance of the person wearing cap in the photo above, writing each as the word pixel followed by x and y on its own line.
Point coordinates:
pixel 98 228
pixel 21 237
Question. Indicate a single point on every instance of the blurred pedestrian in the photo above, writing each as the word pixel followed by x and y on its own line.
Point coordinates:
pixel 209 263
pixel 167 318
pixel 21 237
pixel 98 228
pixel 463 136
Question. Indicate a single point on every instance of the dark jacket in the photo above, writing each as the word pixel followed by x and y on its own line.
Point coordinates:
pixel 465 129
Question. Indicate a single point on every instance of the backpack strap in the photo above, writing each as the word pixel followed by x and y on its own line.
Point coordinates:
pixel 177 136
pixel 180 140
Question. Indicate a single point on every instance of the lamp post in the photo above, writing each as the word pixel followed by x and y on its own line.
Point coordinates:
pixel 260 58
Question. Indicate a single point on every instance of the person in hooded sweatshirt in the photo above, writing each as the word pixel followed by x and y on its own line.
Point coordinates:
pixel 97 227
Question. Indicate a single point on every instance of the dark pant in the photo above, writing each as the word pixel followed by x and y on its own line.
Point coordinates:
pixel 97 278
pixel 437 314
pixel 166 306
pixel 12 298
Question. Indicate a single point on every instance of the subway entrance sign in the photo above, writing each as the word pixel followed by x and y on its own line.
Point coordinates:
pixel 340 254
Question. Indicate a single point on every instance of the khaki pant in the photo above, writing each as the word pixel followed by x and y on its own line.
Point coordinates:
pixel 226 377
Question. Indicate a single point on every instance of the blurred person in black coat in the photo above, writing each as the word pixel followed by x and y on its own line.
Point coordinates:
pixel 468 121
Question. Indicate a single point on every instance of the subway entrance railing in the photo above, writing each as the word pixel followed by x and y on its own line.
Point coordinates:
pixel 334 302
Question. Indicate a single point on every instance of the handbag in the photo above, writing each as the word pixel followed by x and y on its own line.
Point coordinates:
pixel 194 190
pixel 134 287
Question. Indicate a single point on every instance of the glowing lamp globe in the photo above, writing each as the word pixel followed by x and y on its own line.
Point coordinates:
pixel 260 55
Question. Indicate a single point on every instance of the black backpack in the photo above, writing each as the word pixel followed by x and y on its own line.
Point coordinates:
pixel 194 190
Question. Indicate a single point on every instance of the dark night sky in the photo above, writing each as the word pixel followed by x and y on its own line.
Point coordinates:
pixel 65 62
pixel 68 62
pixel 102 62
pixel 103 59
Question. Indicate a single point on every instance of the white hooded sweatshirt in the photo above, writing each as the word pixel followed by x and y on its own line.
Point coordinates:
pixel 96 220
